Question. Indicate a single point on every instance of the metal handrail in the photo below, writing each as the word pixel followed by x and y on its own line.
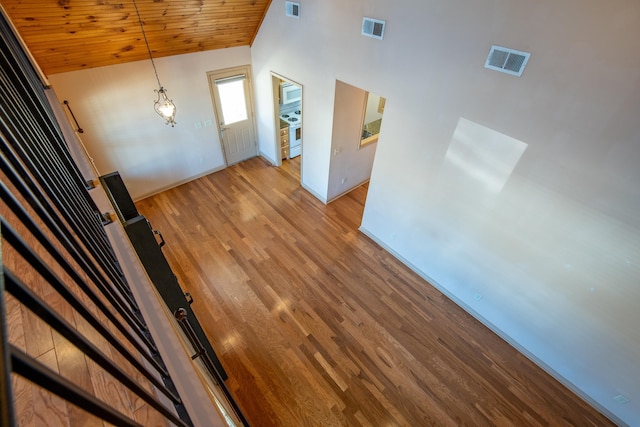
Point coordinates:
pixel 78 128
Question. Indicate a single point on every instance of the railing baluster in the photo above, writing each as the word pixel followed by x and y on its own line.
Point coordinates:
pixel 105 257
pixel 16 288
pixel 7 417
pixel 86 265
pixel 46 196
pixel 90 239
pixel 44 161
pixel 14 240
pixel 39 374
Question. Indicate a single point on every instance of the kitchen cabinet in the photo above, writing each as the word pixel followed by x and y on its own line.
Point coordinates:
pixel 284 140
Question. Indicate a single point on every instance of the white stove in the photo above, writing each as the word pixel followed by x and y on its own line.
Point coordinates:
pixel 294 118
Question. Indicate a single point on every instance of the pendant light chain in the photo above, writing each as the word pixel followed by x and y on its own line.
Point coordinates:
pixel 144 36
pixel 163 105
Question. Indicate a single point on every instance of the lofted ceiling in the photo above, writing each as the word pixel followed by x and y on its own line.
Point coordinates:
pixel 70 35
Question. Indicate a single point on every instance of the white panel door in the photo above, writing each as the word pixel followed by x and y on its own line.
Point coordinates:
pixel 231 91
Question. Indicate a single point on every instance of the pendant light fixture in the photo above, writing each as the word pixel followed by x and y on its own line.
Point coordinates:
pixel 163 105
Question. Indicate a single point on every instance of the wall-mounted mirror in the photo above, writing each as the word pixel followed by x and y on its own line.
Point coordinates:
pixel 371 118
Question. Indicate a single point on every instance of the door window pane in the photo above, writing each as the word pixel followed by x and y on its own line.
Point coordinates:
pixel 232 100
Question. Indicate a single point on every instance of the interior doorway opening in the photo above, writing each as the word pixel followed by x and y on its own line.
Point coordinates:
pixel 288 108
pixel 354 139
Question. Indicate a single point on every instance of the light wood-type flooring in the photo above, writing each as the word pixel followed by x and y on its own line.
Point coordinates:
pixel 317 325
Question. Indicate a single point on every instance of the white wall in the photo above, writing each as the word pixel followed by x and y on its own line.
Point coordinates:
pixel 518 197
pixel 114 106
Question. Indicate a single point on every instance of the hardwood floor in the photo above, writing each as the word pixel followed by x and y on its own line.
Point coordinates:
pixel 317 325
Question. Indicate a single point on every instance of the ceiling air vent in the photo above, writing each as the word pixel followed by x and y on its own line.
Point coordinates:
pixel 507 60
pixel 292 9
pixel 373 28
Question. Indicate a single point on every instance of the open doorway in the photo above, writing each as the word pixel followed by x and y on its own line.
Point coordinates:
pixel 357 120
pixel 287 96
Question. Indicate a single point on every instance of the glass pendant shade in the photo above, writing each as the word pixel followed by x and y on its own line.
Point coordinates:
pixel 165 107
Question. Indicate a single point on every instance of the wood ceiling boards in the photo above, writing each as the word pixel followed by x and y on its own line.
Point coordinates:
pixel 70 35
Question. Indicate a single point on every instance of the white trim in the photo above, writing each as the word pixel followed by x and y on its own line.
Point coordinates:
pixel 348 191
pixel 179 183
pixel 496 330
pixel 313 193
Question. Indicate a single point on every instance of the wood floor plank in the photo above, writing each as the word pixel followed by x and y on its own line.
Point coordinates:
pixel 317 325
pixel 149 417
pixel 50 410
pixel 23 402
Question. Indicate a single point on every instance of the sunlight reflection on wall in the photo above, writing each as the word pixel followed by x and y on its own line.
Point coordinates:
pixel 480 157
pixel 554 274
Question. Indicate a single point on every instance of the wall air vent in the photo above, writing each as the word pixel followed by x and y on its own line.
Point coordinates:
pixel 507 60
pixel 292 9
pixel 373 28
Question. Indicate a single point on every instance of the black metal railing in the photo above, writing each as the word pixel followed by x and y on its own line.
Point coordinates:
pixel 34 146
pixel 69 257
pixel 24 295
pixel 58 266
pixel 181 315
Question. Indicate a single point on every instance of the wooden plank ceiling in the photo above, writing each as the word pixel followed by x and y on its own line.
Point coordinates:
pixel 70 35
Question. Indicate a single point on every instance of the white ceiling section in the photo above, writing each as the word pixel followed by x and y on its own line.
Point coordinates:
pixel 518 197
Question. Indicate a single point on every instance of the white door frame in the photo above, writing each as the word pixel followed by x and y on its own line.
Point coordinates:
pixel 276 113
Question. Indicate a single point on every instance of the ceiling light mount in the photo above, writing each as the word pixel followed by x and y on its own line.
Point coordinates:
pixel 163 105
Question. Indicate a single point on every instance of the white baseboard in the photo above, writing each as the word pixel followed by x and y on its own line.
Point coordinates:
pixel 314 194
pixel 348 191
pixel 178 183
pixel 564 381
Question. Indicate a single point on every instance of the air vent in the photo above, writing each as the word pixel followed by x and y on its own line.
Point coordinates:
pixel 507 60
pixel 292 9
pixel 373 28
